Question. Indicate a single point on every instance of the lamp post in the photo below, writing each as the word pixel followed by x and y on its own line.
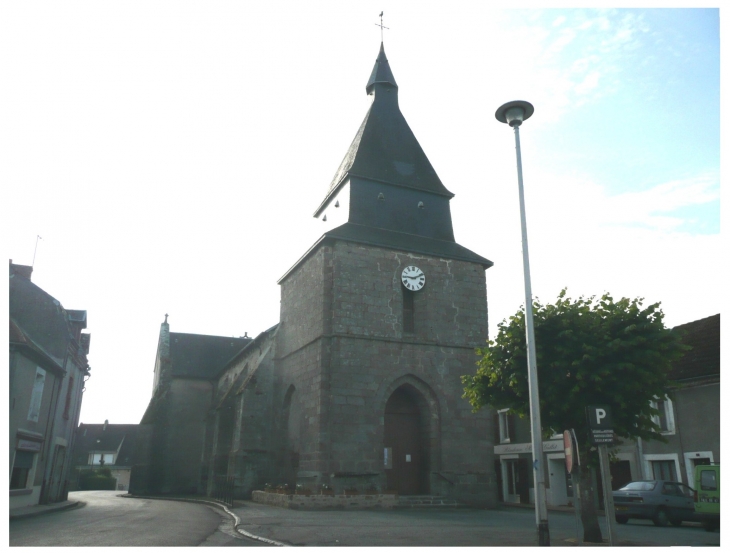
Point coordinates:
pixel 514 113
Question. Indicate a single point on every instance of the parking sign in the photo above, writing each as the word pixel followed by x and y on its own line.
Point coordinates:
pixel 600 422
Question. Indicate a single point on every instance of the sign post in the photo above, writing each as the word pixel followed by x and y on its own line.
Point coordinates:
pixel 601 425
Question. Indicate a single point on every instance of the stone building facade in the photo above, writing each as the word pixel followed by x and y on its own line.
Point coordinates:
pixel 359 385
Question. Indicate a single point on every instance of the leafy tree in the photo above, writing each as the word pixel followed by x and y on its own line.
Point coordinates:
pixel 589 351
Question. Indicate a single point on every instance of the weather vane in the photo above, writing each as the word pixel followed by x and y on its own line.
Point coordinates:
pixel 381 26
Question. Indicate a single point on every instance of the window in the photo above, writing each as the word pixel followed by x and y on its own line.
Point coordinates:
pixel 664 470
pixel 505 426
pixel 408 312
pixel 665 419
pixel 37 395
pixel 68 396
pixel 21 469
pixel 708 481
pixel 639 487
pixel 102 458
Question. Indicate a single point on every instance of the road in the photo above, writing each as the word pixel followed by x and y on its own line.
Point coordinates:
pixel 110 520
pixel 107 519
pixel 444 528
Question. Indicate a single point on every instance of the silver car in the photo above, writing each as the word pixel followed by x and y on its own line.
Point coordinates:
pixel 660 501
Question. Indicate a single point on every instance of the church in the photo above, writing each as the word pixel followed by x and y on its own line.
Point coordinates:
pixel 358 387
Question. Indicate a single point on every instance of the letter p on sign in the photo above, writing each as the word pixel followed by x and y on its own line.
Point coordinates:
pixel 599 417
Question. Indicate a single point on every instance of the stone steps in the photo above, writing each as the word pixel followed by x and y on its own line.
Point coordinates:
pixel 426 501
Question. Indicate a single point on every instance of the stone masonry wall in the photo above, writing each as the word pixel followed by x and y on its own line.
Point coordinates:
pixel 347 374
pixel 246 387
pixel 367 296
pixel 304 295
pixel 188 404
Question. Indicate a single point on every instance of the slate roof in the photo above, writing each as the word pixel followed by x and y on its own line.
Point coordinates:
pixel 93 437
pixel 385 148
pixel 703 360
pixel 17 337
pixel 200 355
pixel 41 317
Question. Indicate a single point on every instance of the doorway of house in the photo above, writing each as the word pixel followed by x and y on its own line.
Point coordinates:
pixel 561 487
pixel 405 440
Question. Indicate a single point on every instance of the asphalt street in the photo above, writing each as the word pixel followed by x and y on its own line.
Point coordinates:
pixel 506 526
pixel 108 519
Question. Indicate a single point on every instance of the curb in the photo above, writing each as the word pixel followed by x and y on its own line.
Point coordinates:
pixel 47 510
pixel 223 506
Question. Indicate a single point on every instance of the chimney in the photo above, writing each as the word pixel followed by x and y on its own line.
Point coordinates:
pixel 23 271
pixel 106 422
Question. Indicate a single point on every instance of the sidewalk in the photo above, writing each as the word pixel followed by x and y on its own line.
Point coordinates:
pixel 531 506
pixel 35 510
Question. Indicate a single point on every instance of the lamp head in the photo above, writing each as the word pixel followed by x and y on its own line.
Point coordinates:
pixel 514 113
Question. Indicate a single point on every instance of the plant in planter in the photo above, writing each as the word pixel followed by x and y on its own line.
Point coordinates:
pixel 302 490
pixel 324 489
pixel 269 488
pixel 351 491
pixel 282 489
pixel 371 490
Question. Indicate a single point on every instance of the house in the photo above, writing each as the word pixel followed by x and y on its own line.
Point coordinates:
pixel 689 419
pixel 114 446
pixel 48 367
pixel 358 386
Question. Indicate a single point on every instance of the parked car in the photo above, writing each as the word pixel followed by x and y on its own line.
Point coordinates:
pixel 660 501
pixel 707 496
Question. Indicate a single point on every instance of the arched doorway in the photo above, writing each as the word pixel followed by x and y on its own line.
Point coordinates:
pixel 406 441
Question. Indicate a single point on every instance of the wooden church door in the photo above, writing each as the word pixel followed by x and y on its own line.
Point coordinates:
pixel 405 441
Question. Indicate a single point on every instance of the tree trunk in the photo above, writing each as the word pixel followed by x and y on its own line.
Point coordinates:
pixel 588 512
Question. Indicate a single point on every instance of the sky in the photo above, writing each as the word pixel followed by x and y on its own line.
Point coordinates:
pixel 171 155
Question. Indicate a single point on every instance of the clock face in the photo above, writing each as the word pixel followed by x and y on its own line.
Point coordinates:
pixel 413 278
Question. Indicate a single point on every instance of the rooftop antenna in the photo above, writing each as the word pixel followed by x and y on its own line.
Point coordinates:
pixel 38 237
pixel 381 26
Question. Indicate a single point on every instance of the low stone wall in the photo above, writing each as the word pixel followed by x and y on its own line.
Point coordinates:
pixel 326 502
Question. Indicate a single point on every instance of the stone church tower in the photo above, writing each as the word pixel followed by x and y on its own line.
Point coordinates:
pixel 358 386
pixel 379 320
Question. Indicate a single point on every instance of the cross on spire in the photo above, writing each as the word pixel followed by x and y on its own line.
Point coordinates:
pixel 381 26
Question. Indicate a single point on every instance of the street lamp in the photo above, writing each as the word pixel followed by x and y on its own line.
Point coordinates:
pixel 514 113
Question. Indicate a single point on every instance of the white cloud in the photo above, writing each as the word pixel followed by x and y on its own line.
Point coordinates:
pixel 646 206
pixel 571 60
pixel 589 83
pixel 627 244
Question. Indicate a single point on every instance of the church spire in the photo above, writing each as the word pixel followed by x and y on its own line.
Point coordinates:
pixel 385 149
pixel 381 73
